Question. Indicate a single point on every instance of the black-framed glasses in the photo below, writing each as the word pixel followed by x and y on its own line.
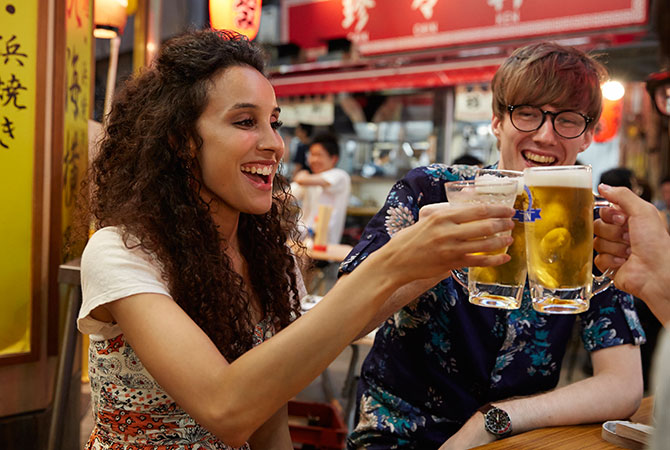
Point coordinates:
pixel 658 87
pixel 567 124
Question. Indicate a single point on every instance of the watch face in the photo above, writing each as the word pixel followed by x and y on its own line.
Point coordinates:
pixel 497 421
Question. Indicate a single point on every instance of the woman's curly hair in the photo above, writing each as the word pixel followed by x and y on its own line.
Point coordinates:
pixel 142 180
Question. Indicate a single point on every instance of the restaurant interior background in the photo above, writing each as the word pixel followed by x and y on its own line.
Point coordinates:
pixel 403 83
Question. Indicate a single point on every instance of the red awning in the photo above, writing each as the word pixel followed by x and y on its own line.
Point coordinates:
pixel 377 79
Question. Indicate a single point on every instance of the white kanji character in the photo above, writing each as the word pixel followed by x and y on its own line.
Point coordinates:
pixel 497 4
pixel 425 6
pixel 356 11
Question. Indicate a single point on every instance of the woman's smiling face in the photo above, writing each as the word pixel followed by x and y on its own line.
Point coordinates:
pixel 241 145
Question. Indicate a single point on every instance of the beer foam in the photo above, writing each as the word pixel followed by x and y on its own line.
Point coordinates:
pixel 490 180
pixel 490 184
pixel 576 178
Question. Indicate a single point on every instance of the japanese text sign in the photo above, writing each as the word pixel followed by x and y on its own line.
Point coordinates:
pixel 379 26
pixel 18 74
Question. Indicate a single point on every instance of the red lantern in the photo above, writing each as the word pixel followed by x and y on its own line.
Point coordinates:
pixel 243 16
pixel 610 120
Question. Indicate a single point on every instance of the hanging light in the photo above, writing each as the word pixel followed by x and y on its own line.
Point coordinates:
pixel 613 90
pixel 110 18
pixel 241 16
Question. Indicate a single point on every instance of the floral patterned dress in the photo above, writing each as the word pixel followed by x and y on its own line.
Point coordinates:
pixel 438 359
pixel 133 412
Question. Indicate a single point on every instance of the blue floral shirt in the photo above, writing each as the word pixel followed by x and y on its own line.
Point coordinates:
pixel 437 360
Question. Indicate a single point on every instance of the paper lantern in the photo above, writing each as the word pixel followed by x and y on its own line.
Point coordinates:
pixel 110 18
pixel 610 120
pixel 243 16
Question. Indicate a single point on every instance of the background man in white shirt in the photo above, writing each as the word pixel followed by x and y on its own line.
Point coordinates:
pixel 326 185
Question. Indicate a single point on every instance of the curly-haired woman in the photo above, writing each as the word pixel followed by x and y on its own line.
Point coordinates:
pixel 188 274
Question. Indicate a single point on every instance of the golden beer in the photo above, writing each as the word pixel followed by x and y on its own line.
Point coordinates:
pixel 502 286
pixel 559 244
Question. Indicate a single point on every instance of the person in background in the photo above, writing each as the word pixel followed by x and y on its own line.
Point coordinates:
pixel 440 364
pixel 190 290
pixel 621 176
pixel 303 132
pixel 646 192
pixel 326 185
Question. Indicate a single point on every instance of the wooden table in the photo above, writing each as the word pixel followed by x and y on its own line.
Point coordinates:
pixel 333 253
pixel 362 211
pixel 568 437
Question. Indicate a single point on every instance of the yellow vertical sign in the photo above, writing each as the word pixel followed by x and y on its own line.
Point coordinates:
pixel 78 48
pixel 18 65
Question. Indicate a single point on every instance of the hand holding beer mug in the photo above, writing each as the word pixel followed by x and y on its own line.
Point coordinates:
pixel 559 239
pixel 484 283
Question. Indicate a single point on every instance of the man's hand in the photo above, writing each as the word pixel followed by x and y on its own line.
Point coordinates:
pixel 632 240
pixel 300 176
pixel 471 434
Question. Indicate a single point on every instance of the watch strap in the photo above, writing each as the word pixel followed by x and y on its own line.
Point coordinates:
pixel 484 409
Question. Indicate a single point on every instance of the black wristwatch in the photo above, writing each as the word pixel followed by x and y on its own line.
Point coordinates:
pixel 496 421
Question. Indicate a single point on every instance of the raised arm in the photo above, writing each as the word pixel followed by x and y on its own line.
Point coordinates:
pixel 414 289
pixel 232 400
pixel 304 178
pixel 631 239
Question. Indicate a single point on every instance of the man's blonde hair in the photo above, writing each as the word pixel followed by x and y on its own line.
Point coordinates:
pixel 548 73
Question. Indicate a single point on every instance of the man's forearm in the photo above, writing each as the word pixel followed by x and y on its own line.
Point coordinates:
pixel 305 178
pixel 614 392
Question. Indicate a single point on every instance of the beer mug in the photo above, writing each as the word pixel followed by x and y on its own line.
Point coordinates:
pixel 559 239
pixel 486 287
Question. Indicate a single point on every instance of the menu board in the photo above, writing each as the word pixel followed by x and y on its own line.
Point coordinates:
pixel 78 61
pixel 18 66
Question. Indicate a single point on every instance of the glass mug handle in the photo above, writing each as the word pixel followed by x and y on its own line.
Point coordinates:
pixel 602 282
pixel 461 276
pixel 600 202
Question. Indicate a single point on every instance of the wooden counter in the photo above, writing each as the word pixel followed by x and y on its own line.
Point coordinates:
pixel 568 437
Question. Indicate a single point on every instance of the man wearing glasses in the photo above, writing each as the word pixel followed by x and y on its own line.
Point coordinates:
pixel 440 365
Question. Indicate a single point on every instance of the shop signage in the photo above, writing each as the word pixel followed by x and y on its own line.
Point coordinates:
pixel 380 26
pixel 243 16
pixel 18 84
pixel 78 63
pixel 473 103
pixel 312 111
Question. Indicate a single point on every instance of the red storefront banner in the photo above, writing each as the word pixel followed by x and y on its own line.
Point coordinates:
pixel 411 76
pixel 382 26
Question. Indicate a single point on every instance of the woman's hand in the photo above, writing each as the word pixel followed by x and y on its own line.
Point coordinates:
pixel 448 237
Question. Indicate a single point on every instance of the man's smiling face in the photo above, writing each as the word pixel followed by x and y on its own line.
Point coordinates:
pixel 542 147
